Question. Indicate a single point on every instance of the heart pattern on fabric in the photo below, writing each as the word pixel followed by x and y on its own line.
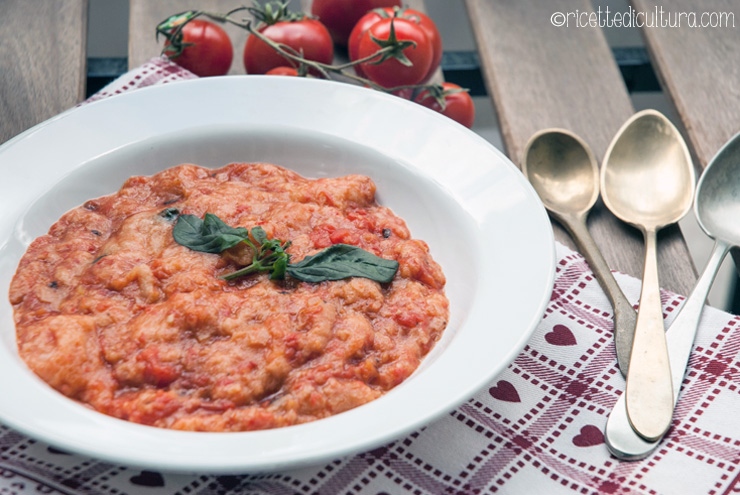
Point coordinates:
pixel 504 391
pixel 589 436
pixel 560 335
pixel 148 478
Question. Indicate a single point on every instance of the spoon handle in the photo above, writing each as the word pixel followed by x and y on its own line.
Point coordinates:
pixel 620 438
pixel 625 315
pixel 684 327
pixel 649 393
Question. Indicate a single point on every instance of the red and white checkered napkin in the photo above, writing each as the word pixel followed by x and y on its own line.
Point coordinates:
pixel 158 70
pixel 535 429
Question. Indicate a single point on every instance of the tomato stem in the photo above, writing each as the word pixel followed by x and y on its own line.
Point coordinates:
pixel 171 28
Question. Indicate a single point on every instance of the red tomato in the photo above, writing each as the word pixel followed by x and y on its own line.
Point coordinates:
pixel 306 35
pixel 340 16
pixel 353 43
pixel 391 72
pixel 458 104
pixel 423 20
pixel 209 51
pixel 430 29
pixel 282 71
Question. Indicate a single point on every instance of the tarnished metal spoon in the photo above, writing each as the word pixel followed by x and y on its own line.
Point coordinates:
pixel 717 209
pixel 647 180
pixel 565 174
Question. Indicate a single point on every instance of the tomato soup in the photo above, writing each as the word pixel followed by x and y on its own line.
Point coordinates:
pixel 112 312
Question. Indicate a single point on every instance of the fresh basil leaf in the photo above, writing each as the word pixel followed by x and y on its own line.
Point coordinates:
pixel 210 235
pixel 259 234
pixel 343 261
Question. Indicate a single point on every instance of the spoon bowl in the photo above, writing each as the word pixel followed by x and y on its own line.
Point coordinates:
pixel 717 206
pixel 565 174
pixel 647 180
pixel 563 171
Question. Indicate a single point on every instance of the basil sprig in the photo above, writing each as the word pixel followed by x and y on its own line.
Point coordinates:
pixel 337 262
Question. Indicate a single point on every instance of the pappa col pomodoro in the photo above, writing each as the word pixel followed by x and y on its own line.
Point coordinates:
pixel 112 311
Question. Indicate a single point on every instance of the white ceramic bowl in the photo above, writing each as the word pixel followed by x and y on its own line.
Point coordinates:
pixel 482 220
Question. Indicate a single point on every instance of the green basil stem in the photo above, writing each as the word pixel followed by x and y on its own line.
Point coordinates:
pixel 255 267
pixel 266 259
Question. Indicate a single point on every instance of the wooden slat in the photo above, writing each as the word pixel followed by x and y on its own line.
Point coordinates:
pixel 42 61
pixel 544 76
pixel 146 14
pixel 699 69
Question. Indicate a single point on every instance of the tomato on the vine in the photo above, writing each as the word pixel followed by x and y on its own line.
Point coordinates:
pixel 430 29
pixel 450 100
pixel 401 66
pixel 340 16
pixel 308 37
pixel 204 49
pixel 282 71
pixel 420 18
pixel 362 25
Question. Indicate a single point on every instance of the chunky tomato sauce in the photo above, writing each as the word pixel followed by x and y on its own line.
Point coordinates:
pixel 112 312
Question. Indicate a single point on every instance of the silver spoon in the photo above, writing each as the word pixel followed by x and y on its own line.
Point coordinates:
pixel 647 180
pixel 565 174
pixel 717 208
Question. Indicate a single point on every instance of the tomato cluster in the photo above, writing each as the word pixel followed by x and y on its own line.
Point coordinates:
pixel 373 31
pixel 392 48
pixel 205 49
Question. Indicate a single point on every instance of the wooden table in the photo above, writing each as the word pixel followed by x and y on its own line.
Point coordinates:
pixel 538 75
